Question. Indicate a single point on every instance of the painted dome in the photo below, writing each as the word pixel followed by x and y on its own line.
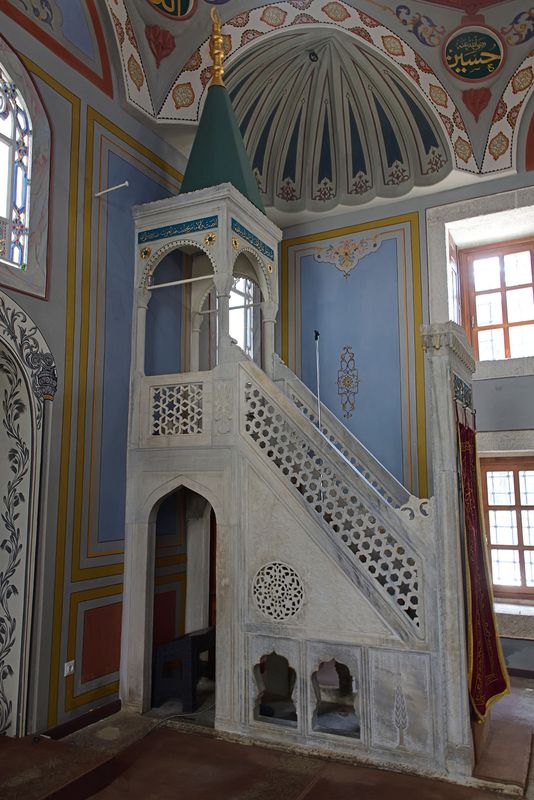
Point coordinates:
pixel 370 135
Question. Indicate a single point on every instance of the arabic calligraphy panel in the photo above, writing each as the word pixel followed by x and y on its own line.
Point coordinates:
pixel 176 9
pixel 474 53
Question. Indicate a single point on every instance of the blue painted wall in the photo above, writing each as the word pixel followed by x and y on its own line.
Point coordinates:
pixel 117 344
pixel 75 26
pixel 360 311
pixel 164 319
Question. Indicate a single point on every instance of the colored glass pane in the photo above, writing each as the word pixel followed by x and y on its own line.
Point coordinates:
pixel 15 162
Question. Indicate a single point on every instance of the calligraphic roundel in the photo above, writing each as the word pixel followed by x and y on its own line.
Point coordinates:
pixel 175 9
pixel 474 53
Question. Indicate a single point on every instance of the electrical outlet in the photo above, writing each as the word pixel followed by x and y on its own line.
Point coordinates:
pixel 69 668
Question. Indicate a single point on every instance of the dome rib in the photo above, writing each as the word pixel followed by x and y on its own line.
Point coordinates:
pixel 367 133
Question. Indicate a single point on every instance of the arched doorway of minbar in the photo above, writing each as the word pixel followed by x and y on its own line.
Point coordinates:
pixel 184 608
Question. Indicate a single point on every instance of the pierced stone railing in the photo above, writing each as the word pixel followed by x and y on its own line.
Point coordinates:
pixel 342 439
pixel 176 408
pixel 364 526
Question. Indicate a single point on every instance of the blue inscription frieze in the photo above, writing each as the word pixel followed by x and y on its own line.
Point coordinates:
pixel 249 237
pixel 181 228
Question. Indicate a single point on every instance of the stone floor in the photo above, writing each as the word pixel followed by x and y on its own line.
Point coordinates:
pixel 167 755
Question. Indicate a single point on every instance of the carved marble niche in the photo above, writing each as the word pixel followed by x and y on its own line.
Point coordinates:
pixel 27 378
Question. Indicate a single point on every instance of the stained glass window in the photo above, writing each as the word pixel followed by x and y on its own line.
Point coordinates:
pixel 15 168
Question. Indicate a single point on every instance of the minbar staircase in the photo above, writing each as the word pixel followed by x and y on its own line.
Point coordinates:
pixel 379 569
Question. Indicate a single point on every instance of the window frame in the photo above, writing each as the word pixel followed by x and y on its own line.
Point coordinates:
pixel 33 280
pixel 513 464
pixel 466 257
pixel 13 240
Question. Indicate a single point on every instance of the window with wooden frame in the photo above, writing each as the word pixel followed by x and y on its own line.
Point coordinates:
pixel 498 299
pixel 508 499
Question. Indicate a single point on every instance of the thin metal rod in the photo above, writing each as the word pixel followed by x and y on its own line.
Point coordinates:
pixel 317 335
pixel 180 283
pixel 113 188
pixel 317 372
pixel 232 308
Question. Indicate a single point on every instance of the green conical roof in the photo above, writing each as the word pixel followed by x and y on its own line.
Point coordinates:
pixel 218 154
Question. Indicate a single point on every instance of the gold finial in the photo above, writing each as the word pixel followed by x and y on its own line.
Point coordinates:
pixel 216 50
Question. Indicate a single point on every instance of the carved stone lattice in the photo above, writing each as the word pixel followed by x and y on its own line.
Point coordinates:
pixel 278 591
pixel 379 552
pixel 176 409
pixel 311 414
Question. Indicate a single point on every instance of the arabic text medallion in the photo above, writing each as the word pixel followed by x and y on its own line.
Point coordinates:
pixel 474 53
pixel 175 9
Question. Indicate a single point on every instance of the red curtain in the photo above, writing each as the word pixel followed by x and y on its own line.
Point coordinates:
pixel 488 677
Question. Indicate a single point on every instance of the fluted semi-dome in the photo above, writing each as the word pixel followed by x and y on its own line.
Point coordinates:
pixel 370 135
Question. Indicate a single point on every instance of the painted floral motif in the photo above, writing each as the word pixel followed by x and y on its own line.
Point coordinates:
pixel 422 27
pixel 160 41
pixel 193 62
pixel 522 80
pixel 412 72
pixel 360 184
pixel 205 76
pixel 40 10
pixel 367 20
pixel 15 326
pixel 346 254
pixel 348 381
pixel 130 33
pixel 363 34
pixel 397 174
pixel 249 36
pixel 521 29
pixel 18 457
pixel 303 19
pixel 135 72
pixel 436 160
pixel 336 12
pixel 422 65
pixel 438 95
pixel 119 30
pixel 240 20
pixel 513 115
pixel 287 191
pixel 476 100
pixel 183 95
pixel 448 124
pixel 458 121
pixel 498 145
pixel 463 149
pixel 325 191
pixel 393 45
pixel 500 111
pixel 273 16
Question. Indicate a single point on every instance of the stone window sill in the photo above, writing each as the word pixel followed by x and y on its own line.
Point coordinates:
pixel 504 368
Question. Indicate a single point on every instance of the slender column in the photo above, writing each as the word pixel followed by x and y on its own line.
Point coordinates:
pixel 143 299
pixel 223 286
pixel 269 310
pixel 194 348
pixel 448 354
